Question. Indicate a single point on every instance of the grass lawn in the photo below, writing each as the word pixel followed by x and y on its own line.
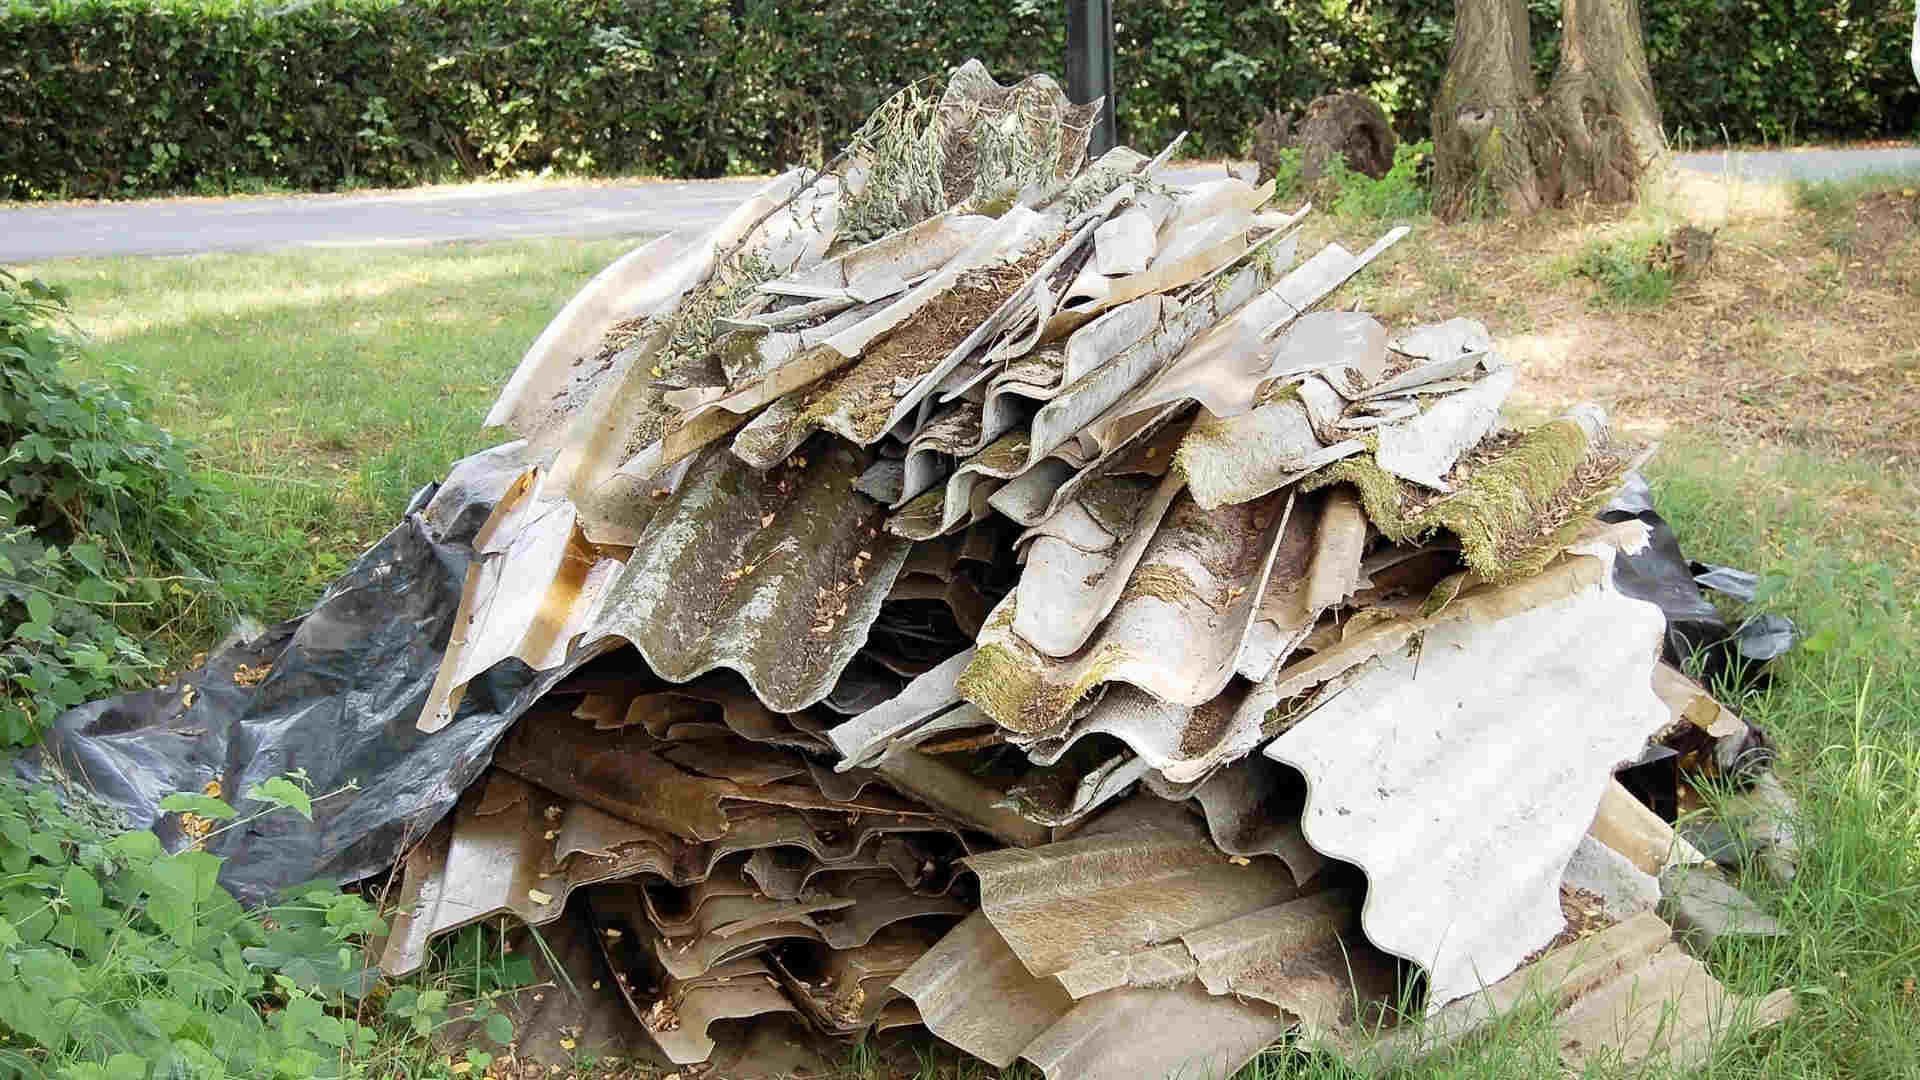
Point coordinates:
pixel 324 388
pixel 1783 384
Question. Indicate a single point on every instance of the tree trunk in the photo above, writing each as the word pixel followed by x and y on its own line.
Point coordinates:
pixel 1600 102
pixel 1484 120
pixel 1499 149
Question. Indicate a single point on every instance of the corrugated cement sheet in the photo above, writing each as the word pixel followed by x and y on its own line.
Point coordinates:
pixel 775 575
pixel 1140 874
pixel 1460 771
pixel 515 848
pixel 974 992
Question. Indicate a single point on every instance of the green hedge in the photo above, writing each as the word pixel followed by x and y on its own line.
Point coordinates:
pixel 125 97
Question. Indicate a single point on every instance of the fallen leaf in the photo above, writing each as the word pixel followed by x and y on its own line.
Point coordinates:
pixel 539 897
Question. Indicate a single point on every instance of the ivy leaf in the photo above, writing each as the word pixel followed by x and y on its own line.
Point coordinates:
pixel 500 1028
pixel 82 890
pixel 186 802
pixel 48 848
pixel 89 556
pixel 137 846
pixel 177 887
pixel 285 794
pixel 39 608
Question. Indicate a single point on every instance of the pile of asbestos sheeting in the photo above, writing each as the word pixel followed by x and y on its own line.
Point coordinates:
pixel 982 589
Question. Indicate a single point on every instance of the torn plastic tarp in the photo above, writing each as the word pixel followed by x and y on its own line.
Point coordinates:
pixel 1661 574
pixel 346 682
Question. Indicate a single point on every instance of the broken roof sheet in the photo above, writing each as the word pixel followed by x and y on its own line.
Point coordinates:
pixel 775 576
pixel 1463 792
pixel 1179 617
pixel 1141 874
pixel 531 592
pixel 661 786
pixel 1516 502
pixel 568 363
pixel 975 993
pixel 1625 996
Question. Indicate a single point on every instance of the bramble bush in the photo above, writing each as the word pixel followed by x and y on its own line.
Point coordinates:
pixel 126 97
pixel 98 525
pixel 121 961
pixel 114 554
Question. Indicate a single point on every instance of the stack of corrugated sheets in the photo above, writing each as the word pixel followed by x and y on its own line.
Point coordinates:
pixel 1009 596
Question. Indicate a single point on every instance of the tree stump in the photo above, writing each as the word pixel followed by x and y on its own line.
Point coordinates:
pixel 1686 252
pixel 1347 125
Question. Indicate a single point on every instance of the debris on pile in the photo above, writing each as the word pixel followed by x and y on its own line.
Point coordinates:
pixel 973 590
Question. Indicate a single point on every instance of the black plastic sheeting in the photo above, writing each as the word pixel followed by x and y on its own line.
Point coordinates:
pixel 347 684
pixel 1726 652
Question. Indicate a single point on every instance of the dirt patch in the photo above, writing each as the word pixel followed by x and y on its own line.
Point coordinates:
pixel 1884 222
pixel 1799 332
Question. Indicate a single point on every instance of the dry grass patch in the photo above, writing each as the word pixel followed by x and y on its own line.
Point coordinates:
pixel 1800 331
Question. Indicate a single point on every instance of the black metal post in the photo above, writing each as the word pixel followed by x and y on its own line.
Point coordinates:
pixel 1090 66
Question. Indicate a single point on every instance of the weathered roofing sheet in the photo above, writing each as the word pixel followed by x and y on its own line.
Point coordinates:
pixel 1139 875
pixel 1330 386
pixel 1316 563
pixel 492 859
pixel 563 369
pixel 849 991
pixel 1175 630
pixel 1253 808
pixel 1158 1033
pixel 1295 677
pixel 713 706
pixel 776 576
pixel 1460 773
pixel 841 910
pixel 1671 1010
pixel 1517 501
pixel 638 779
pixel 860 400
pixel 532 591
pixel 974 992
pixel 1135 1017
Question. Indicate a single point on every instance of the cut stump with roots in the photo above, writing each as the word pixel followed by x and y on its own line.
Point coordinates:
pixel 1347 125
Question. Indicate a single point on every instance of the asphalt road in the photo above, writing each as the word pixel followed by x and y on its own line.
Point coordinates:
pixel 509 211
pixel 1778 165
